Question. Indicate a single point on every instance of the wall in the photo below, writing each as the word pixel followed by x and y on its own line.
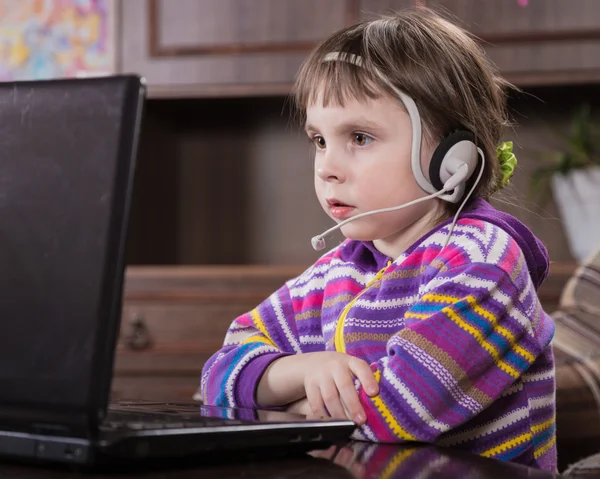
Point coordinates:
pixel 229 181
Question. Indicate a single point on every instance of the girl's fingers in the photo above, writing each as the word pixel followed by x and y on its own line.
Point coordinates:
pixel 345 385
pixel 365 375
pixel 315 401
pixel 331 398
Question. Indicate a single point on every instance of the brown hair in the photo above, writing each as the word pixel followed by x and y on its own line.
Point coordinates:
pixel 437 63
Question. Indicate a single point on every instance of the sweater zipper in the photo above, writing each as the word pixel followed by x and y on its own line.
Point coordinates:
pixel 340 347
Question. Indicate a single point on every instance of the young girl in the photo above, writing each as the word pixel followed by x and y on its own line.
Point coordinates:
pixel 424 324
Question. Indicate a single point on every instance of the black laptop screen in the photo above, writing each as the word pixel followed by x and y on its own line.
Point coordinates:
pixel 65 161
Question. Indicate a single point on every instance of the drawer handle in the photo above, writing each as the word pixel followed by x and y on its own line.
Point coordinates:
pixel 138 337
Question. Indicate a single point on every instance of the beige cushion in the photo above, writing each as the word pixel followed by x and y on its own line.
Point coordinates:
pixel 577 353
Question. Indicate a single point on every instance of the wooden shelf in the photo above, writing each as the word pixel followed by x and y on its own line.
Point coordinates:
pixel 554 78
pixel 206 284
pixel 199 91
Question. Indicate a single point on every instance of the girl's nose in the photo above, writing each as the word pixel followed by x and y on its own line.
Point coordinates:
pixel 328 169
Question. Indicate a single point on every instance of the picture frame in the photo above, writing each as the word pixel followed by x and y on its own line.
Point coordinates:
pixel 45 39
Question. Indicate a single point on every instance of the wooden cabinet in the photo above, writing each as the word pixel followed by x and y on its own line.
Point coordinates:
pixel 544 42
pixel 204 47
pixel 254 47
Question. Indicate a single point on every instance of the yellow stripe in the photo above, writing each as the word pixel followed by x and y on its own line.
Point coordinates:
pixel 387 415
pixel 536 428
pixel 258 339
pixel 477 308
pixel 340 347
pixel 501 329
pixel 544 449
pixel 507 368
pixel 440 298
pixel 517 348
pixel 507 445
pixel 480 310
pixel 260 325
pixel 396 461
pixel 446 299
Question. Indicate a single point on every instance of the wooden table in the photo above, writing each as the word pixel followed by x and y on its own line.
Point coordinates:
pixel 355 460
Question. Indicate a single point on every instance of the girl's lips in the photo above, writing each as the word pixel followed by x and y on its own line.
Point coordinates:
pixel 341 212
pixel 338 209
pixel 335 202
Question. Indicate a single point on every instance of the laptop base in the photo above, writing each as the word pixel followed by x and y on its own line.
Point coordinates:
pixel 143 432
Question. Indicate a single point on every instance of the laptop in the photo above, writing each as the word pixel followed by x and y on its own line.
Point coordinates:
pixel 67 156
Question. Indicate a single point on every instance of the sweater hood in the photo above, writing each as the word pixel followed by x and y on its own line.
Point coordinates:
pixel 366 256
pixel 536 254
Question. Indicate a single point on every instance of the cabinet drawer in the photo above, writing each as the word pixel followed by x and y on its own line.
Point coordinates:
pixel 164 337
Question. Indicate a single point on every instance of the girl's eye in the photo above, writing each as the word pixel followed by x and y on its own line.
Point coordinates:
pixel 361 139
pixel 319 141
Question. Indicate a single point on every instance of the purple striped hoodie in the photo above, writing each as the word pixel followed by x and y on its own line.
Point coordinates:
pixel 456 338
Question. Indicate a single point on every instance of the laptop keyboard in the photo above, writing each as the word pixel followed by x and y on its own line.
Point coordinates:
pixel 137 421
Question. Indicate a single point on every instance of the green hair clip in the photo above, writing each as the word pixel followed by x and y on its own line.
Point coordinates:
pixel 507 160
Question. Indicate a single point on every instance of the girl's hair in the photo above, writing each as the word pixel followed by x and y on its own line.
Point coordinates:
pixel 438 64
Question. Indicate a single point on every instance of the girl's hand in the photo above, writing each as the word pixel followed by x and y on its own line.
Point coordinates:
pixel 300 407
pixel 329 382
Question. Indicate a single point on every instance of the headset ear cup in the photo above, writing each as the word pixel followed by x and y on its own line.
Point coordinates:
pixel 436 165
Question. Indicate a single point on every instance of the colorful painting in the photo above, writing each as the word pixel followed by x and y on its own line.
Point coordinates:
pixel 42 39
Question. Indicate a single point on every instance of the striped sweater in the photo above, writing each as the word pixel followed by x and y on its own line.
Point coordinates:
pixel 456 338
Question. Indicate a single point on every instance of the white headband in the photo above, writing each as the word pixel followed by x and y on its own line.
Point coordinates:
pixel 413 113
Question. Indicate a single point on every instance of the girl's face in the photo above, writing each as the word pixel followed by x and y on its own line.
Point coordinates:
pixel 362 163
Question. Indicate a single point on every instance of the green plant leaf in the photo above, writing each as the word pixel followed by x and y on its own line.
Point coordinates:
pixel 580 149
